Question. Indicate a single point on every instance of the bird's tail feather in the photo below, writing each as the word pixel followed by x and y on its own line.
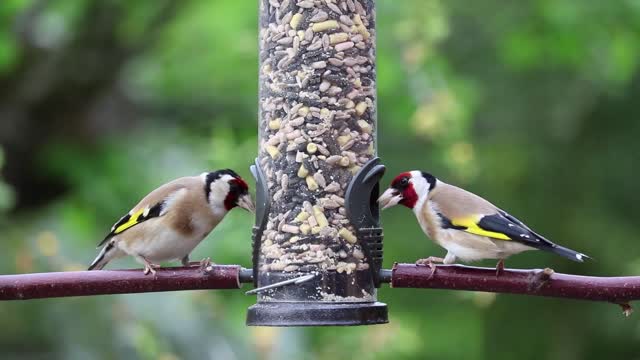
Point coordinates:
pixel 103 258
pixel 567 253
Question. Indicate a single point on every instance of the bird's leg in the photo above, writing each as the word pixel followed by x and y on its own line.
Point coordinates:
pixel 430 261
pixel 499 267
pixel 149 267
pixel 202 264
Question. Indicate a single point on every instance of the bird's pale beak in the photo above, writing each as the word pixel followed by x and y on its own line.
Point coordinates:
pixel 246 203
pixel 389 198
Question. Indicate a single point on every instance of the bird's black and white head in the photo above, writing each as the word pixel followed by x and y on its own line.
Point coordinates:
pixel 225 189
pixel 408 189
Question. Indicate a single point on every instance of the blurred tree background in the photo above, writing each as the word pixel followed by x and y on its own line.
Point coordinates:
pixel 530 103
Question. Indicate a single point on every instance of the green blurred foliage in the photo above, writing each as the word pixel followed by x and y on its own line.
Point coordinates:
pixel 530 103
pixel 6 194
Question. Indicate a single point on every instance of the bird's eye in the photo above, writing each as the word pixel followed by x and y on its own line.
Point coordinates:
pixel 404 181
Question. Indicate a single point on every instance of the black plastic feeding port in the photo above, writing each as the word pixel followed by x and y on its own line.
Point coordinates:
pixel 324 297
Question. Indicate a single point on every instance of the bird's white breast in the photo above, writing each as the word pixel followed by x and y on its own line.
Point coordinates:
pixel 158 243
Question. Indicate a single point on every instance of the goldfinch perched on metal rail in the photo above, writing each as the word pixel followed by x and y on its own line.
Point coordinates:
pixel 468 226
pixel 173 219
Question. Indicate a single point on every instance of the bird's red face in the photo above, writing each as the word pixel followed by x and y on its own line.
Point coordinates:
pixel 238 195
pixel 401 191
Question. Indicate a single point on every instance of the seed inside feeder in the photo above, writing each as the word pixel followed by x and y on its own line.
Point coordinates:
pixel 325 25
pixel 317 129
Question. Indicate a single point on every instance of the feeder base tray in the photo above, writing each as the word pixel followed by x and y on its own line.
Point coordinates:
pixel 316 314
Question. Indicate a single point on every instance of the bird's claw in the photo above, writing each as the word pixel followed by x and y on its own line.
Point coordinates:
pixel 150 268
pixel 205 263
pixel 202 264
pixel 430 262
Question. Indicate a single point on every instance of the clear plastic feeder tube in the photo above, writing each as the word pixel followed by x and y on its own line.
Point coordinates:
pixel 317 131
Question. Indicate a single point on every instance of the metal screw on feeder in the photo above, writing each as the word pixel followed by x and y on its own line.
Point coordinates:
pixel 317 244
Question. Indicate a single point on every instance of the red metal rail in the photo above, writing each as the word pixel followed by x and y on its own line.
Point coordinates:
pixel 84 283
pixel 618 290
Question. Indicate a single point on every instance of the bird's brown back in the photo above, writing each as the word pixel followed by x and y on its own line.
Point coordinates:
pixel 161 193
pixel 192 200
pixel 454 202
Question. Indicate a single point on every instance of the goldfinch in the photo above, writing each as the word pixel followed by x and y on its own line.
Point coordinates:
pixel 173 219
pixel 469 227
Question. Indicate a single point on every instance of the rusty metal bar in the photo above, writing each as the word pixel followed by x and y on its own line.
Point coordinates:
pixel 85 283
pixel 538 282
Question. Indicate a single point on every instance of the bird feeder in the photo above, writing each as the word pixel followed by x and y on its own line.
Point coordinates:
pixel 317 242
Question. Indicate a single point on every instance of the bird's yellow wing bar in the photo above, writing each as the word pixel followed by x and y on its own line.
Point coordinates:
pixel 133 220
pixel 470 224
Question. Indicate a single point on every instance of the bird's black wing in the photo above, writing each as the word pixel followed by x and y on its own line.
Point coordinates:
pixel 514 229
pixel 134 218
